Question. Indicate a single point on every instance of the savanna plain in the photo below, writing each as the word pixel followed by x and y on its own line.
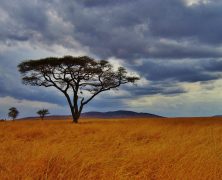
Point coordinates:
pixel 155 148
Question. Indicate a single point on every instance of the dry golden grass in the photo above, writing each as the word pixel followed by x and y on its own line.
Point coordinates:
pixel 113 149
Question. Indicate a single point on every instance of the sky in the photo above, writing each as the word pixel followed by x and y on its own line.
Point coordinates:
pixel 175 46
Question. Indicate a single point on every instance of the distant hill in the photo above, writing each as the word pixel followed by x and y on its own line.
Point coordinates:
pixel 95 114
pixel 217 116
pixel 117 114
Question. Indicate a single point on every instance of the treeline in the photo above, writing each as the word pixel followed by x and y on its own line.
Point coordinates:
pixel 13 113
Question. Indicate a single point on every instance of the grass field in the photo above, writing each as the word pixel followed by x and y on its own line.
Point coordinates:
pixel 171 148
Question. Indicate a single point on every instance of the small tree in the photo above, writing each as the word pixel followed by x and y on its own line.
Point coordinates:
pixel 80 79
pixel 42 113
pixel 13 113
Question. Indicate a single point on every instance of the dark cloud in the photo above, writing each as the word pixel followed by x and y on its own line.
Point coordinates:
pixel 185 71
pixel 200 22
pixel 125 29
pixel 11 84
pixel 165 76
pixel 101 3
pixel 136 29
pixel 213 65
pixel 157 88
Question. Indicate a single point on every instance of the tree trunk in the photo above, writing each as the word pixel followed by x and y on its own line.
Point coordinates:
pixel 74 116
pixel 74 108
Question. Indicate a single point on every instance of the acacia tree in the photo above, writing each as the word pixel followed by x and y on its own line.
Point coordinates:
pixel 80 79
pixel 42 113
pixel 13 113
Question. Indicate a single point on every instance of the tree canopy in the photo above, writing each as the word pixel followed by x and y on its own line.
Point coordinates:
pixel 42 113
pixel 13 113
pixel 80 79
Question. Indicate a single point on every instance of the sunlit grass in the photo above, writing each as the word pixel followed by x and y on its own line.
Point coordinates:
pixel 112 149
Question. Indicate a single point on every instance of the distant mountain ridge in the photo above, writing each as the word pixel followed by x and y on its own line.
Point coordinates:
pixel 96 114
pixel 117 114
